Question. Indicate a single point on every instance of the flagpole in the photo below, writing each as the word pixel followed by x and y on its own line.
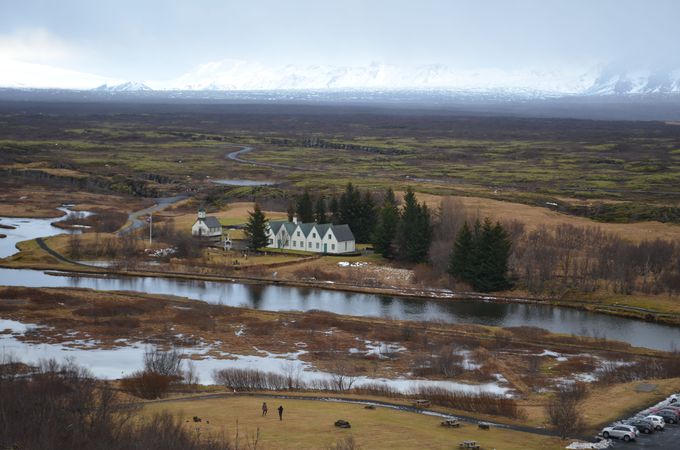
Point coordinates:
pixel 150 226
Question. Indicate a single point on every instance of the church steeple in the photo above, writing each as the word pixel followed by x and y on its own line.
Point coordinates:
pixel 201 213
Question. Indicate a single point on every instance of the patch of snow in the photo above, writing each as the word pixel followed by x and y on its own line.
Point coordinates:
pixel 606 443
pixel 352 264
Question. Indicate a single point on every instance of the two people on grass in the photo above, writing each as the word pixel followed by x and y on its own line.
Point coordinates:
pixel 265 409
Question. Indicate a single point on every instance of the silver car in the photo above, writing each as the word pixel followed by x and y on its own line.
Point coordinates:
pixel 619 432
pixel 657 421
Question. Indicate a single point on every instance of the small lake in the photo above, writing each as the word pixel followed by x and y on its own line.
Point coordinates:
pixel 286 298
pixel 229 182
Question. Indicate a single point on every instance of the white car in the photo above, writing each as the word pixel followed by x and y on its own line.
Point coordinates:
pixel 620 432
pixel 674 398
pixel 657 421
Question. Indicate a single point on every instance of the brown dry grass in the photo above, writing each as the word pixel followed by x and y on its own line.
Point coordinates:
pixel 534 216
pixel 234 214
pixel 42 201
pixel 309 425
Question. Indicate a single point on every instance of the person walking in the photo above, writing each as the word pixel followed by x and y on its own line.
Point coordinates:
pixel 280 412
pixel 264 408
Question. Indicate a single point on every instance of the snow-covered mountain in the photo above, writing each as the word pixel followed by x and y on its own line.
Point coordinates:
pixel 240 75
pixel 612 82
pixel 129 86
pixel 231 76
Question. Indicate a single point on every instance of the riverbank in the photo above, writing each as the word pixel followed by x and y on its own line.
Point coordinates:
pixel 656 310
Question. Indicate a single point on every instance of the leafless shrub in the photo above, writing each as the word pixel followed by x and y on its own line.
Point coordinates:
pixel 166 363
pixel 563 410
pixel 147 385
pixel 479 402
pixel 55 406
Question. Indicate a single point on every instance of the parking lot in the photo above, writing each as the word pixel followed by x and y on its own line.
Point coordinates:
pixel 667 440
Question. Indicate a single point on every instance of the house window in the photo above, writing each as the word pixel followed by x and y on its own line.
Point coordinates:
pixel 271 241
pixel 294 242
pixel 317 245
pixel 313 235
pixel 332 246
pixel 298 234
pixel 310 245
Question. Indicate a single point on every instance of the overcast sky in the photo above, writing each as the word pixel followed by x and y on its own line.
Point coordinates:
pixel 142 40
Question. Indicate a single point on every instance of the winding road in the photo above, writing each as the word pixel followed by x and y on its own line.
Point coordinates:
pixel 236 156
pixel 134 220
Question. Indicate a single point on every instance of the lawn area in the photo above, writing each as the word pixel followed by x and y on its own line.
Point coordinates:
pixel 309 425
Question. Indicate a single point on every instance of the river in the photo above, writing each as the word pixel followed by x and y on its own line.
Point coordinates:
pixel 286 298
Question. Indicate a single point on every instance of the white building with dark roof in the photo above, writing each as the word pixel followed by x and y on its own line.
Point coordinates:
pixel 207 227
pixel 311 237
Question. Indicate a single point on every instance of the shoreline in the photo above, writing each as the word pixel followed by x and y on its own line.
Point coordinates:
pixel 646 315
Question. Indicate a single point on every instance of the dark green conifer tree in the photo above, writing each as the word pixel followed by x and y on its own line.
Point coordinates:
pixel 305 208
pixel 320 211
pixel 386 227
pixel 256 229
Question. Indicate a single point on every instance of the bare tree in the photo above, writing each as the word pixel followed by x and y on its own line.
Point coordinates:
pixel 563 410
pixel 167 363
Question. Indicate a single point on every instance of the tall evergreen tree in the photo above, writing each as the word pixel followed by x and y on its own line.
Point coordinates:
pixel 366 218
pixel 305 208
pixel 480 257
pixel 256 229
pixel 386 227
pixel 290 211
pixel 414 233
pixel 320 211
pixel 460 263
pixel 350 208
pixel 334 209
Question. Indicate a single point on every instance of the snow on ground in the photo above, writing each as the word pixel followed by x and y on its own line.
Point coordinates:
pixel 352 264
pixel 557 356
pixel 590 445
pixel 382 349
pixel 113 363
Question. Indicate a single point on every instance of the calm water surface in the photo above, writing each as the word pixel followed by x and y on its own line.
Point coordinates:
pixel 284 298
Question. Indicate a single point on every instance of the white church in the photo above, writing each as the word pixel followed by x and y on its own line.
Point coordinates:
pixel 311 237
pixel 208 228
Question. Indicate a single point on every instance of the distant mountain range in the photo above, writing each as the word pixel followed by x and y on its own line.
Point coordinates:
pixel 129 86
pixel 230 77
pixel 636 83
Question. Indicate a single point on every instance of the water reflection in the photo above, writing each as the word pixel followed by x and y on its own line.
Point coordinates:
pixel 278 298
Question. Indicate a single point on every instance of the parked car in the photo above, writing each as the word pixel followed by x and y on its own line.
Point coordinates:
pixel 643 426
pixel 674 409
pixel 630 427
pixel 619 432
pixel 674 398
pixel 659 423
pixel 668 416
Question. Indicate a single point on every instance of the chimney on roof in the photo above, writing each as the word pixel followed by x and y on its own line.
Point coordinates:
pixel 295 219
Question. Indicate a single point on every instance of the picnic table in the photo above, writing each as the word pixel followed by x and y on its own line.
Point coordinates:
pixel 451 423
pixel 469 445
